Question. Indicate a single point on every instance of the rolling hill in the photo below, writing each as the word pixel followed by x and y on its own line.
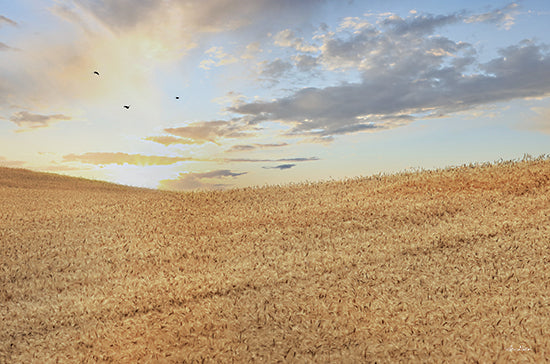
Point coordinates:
pixel 446 265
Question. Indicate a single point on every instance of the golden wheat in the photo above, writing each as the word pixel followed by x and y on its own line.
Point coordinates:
pixel 448 265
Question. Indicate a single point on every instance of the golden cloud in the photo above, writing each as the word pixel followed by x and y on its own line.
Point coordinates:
pixel 120 158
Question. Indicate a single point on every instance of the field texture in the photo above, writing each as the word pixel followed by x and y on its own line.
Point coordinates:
pixel 435 266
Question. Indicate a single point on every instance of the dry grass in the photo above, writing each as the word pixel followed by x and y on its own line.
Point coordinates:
pixel 450 265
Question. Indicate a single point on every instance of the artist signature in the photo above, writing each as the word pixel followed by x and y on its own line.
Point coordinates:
pixel 521 348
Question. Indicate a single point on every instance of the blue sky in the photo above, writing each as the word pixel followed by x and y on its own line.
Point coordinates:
pixel 226 93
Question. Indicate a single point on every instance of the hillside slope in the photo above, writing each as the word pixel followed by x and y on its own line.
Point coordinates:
pixel 450 265
pixel 24 178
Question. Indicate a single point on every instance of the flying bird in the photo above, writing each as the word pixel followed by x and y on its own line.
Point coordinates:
pixel 177 97
pixel 126 106
pixel 96 73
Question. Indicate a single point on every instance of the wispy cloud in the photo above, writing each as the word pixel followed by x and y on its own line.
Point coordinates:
pixel 241 148
pixel 252 50
pixel 281 166
pixel 273 160
pixel 216 58
pixel 196 16
pixel 210 131
pixel 287 38
pixel 172 140
pixel 27 120
pixel 119 158
pixel 250 147
pixel 205 180
pixel 4 20
pixel 354 23
pixel 5 47
pixel 503 17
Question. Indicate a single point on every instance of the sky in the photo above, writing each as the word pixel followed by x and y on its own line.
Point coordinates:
pixel 234 93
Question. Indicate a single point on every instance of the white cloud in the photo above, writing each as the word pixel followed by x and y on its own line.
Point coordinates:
pixel 354 23
pixel 120 158
pixel 218 58
pixel 287 38
pixel 252 50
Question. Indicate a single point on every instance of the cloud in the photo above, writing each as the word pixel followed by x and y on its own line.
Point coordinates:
pixel 331 110
pixel 193 181
pixel 287 38
pixel 275 69
pixel 171 140
pixel 305 63
pixel 130 44
pixel 5 47
pixel 54 70
pixel 272 145
pixel 218 174
pixel 374 47
pixel 252 50
pixel 132 26
pixel 209 131
pixel 281 166
pixel 248 147
pixel 217 58
pixel 195 15
pixel 273 160
pixel 27 120
pixel 128 41
pixel 354 23
pixel 119 158
pixel 407 72
pixel 117 14
pixel 504 17
pixel 241 148
pixel 418 25
pixel 8 21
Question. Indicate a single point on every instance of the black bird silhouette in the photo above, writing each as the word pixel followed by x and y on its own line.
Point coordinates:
pixel 96 73
pixel 177 97
pixel 126 106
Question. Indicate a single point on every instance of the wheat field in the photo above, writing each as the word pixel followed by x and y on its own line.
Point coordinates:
pixel 450 265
